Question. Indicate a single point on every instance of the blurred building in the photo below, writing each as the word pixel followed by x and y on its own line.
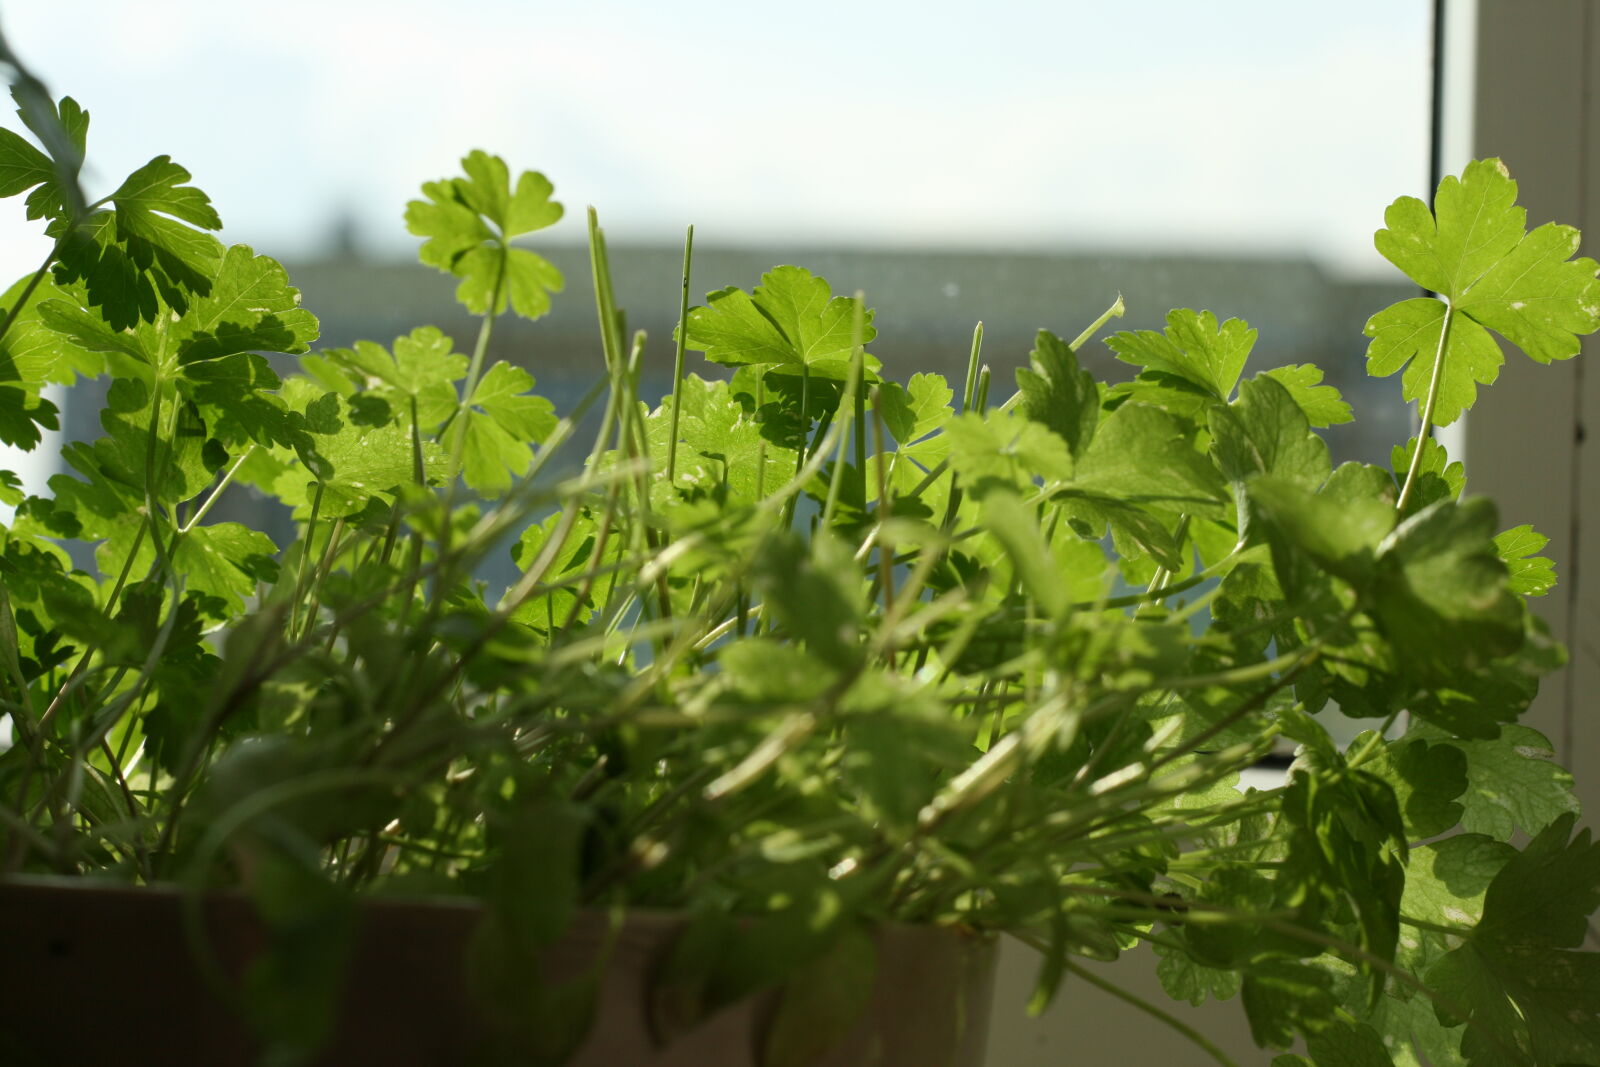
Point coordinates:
pixel 926 305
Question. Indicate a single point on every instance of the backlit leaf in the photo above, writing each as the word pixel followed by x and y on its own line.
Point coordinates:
pixel 791 320
pixel 1193 347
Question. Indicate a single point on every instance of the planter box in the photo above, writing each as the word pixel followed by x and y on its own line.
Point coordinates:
pixel 96 975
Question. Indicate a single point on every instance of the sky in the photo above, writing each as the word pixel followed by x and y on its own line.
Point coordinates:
pixel 1072 125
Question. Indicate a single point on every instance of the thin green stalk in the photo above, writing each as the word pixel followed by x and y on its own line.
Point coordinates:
pixel 216 493
pixel 604 297
pixel 88 653
pixel 1159 580
pixel 761 449
pixel 33 283
pixel 852 387
pixel 22 716
pixel 885 510
pixel 861 427
pixel 1374 742
pixel 1427 409
pixel 808 448
pixel 324 567
pixel 968 391
pixel 1438 928
pixel 152 439
pixel 805 408
pixel 598 553
pixel 677 359
pixel 305 562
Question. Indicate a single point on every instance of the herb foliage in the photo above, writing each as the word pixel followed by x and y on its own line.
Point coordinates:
pixel 806 647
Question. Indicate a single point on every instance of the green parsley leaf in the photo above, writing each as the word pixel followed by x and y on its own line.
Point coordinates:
pixel 1184 979
pixel 1440 593
pixel 1282 997
pixel 1192 347
pixel 32 354
pixel 815 593
pixel 1517 974
pixel 1321 403
pixel 1002 449
pixel 1135 532
pixel 1475 254
pixel 1407 335
pixel 423 370
pixel 1340 525
pixel 503 420
pixel 22 166
pixel 355 460
pixel 226 560
pixel 1478 700
pixel 1530 575
pixel 23 415
pixel 1057 393
pixel 791 320
pixel 917 409
pixel 1347 849
pixel 1147 458
pixel 248 306
pixel 237 397
pixel 1537 300
pixel 1474 223
pixel 724 447
pixel 1512 782
pixel 86 329
pixel 1265 431
pixel 469 223
pixel 1348 1045
pixel 146 247
pixel 1426 779
pixel 1446 880
pixel 1016 527
pixel 116 466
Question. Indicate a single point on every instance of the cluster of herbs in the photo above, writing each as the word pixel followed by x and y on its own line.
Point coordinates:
pixel 800 648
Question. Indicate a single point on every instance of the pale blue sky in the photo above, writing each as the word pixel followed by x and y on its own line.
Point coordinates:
pixel 1066 125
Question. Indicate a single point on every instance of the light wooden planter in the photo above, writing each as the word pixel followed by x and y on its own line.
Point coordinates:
pixel 96 975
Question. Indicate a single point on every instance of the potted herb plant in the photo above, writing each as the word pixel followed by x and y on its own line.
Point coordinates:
pixel 815 677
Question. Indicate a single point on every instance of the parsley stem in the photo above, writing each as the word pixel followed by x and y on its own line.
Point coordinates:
pixel 1426 429
pixel 33 283
pixel 305 557
pixel 1373 742
pixel 604 298
pixel 982 395
pixel 677 367
pixel 329 554
pixel 968 391
pixel 227 478
pixel 1163 574
pixel 1438 928
pixel 853 386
